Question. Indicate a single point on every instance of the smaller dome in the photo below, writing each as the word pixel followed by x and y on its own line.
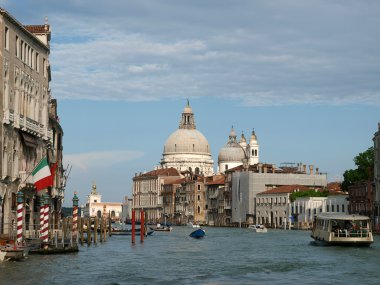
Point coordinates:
pixel 232 151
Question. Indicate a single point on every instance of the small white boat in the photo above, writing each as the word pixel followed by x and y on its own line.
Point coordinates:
pixel 12 253
pixel 342 229
pixel 190 224
pixel 258 228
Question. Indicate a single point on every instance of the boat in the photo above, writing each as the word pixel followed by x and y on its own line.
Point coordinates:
pixel 12 253
pixel 258 228
pixel 161 228
pixel 199 233
pixel 128 232
pixel 2 255
pixel 342 229
pixel 193 225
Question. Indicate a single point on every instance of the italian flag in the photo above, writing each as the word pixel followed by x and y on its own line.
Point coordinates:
pixel 41 175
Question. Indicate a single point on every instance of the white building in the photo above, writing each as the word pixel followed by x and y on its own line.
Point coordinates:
pixel 187 148
pixel 247 184
pixel 236 153
pixel 96 208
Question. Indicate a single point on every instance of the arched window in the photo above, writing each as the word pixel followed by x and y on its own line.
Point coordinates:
pixel 113 214
pixel 199 210
pixel 99 214
pixel 197 170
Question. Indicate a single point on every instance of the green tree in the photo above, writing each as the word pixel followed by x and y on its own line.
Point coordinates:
pixel 364 171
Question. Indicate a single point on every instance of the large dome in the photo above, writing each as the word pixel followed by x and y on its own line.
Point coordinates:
pixel 186 141
pixel 187 148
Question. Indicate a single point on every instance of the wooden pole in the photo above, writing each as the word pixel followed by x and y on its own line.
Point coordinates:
pixel 101 229
pixel 82 230
pixel 142 225
pixel 133 226
pixel 88 231
pixel 96 229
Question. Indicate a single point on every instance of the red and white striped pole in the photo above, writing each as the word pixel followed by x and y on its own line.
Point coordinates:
pixel 75 215
pixel 45 232
pixel 42 214
pixel 20 212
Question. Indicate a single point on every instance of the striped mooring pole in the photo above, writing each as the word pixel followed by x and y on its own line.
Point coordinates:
pixel 45 233
pixel 75 215
pixel 20 212
pixel 42 214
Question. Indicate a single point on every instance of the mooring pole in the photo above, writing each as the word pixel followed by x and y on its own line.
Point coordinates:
pixel 142 225
pixel 133 226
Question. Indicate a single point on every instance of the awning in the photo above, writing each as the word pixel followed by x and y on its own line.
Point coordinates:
pixel 28 140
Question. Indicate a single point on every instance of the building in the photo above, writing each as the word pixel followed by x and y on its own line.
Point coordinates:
pixel 96 208
pixel 147 191
pixel 30 128
pixel 245 184
pixel 235 153
pixel 376 181
pixel 187 148
pixel 361 196
pixel 215 195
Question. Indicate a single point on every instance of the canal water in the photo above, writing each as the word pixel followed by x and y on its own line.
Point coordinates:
pixel 224 256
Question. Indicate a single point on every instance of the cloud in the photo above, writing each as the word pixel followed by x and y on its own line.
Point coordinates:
pixel 101 159
pixel 265 54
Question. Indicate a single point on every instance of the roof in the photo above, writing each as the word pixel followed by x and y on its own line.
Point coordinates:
pixel 341 216
pixel 334 186
pixel 286 189
pixel 218 181
pixel 38 29
pixel 160 172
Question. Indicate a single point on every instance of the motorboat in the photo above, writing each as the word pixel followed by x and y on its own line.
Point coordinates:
pixel 342 229
pixel 161 228
pixel 12 253
pixel 199 233
pixel 258 228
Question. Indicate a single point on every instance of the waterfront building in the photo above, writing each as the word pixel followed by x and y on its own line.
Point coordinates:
pixel 361 197
pixel 30 128
pixel 96 208
pixel 245 184
pixel 147 191
pixel 376 181
pixel 216 201
pixel 127 209
pixel 235 153
pixel 187 148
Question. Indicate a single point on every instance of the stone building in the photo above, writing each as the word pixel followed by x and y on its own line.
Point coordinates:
pixel 147 191
pixel 216 200
pixel 96 208
pixel 245 184
pixel 187 148
pixel 30 128
pixel 361 196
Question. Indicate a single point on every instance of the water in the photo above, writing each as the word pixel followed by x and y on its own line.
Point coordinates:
pixel 224 256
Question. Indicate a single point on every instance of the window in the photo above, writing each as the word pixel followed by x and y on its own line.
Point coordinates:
pixel 199 187
pixel 226 167
pixel 337 208
pixel 332 208
pixel 17 50
pixel 342 207
pixel 199 197
pixel 45 71
pixel 6 38
pixel 37 62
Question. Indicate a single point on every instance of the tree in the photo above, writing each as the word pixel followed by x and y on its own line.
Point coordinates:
pixel 364 171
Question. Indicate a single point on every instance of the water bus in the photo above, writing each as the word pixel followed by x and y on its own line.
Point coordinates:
pixel 342 229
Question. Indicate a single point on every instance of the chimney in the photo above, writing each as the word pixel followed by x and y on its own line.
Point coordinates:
pixel 304 168
pixel 260 168
pixel 316 171
pixel 311 169
pixel 265 169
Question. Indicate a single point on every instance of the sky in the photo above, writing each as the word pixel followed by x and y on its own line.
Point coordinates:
pixel 305 75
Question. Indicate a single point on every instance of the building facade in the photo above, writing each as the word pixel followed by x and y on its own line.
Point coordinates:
pixel 147 192
pixel 361 196
pixel 30 128
pixel 246 184
pixel 376 181
pixel 96 208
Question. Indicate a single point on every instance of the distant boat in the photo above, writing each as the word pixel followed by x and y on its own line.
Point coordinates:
pixel 258 228
pixel 161 228
pixel 199 233
pixel 193 225
pixel 342 229
pixel 129 232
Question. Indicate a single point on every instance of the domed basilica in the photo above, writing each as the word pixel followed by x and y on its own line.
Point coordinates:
pixel 187 148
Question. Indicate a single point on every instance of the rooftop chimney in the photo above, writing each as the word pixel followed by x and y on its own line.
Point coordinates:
pixel 311 169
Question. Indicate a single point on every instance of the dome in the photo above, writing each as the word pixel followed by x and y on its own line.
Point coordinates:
pixel 232 151
pixel 231 154
pixel 186 141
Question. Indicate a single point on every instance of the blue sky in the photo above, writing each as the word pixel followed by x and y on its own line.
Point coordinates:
pixel 304 74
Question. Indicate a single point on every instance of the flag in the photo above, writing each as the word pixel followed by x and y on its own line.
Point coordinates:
pixel 52 171
pixel 41 175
